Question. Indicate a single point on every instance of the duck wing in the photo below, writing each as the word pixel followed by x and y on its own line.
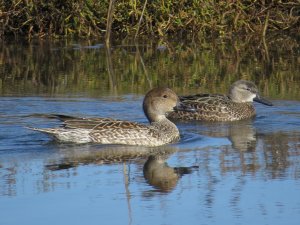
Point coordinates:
pixel 209 107
pixel 100 124
pixel 206 102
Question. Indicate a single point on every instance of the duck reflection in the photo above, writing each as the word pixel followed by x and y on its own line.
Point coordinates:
pixel 75 156
pixel 156 170
pixel 241 134
pixel 85 155
pixel 276 156
pixel 160 175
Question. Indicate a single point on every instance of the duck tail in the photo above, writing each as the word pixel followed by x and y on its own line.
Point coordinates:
pixel 66 135
pixel 43 130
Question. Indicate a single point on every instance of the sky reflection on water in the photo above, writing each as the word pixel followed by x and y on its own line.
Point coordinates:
pixel 229 173
pixel 255 180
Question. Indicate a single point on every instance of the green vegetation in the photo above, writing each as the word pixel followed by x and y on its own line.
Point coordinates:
pixel 184 18
pixel 67 68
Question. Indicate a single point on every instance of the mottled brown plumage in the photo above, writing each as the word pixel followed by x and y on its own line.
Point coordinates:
pixel 157 103
pixel 216 107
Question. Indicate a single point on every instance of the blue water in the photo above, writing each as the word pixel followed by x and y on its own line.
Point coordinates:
pixel 246 172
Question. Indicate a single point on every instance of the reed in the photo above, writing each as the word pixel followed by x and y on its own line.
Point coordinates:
pixel 159 18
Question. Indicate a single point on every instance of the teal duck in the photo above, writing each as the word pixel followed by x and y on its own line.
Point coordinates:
pixel 160 131
pixel 237 105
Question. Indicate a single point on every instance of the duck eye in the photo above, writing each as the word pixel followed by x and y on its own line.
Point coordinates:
pixel 165 96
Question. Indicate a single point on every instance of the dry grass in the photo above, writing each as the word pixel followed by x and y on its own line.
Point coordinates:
pixel 161 18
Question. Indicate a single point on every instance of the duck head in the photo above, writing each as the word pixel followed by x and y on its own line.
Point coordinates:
pixel 246 91
pixel 160 101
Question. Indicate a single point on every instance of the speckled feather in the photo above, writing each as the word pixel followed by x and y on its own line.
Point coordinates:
pixel 213 107
pixel 110 131
pixel 161 131
pixel 237 105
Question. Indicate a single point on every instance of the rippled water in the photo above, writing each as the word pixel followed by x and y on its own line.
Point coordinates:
pixel 245 172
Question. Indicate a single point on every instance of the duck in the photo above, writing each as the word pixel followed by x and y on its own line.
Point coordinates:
pixel 237 105
pixel 156 104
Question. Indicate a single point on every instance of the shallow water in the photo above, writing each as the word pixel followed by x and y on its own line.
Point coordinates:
pixel 229 173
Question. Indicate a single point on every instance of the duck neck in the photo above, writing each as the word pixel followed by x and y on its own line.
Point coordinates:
pixel 233 97
pixel 155 118
pixel 166 126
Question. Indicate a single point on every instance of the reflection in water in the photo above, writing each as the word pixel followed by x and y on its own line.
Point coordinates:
pixel 8 178
pixel 72 67
pixel 242 166
pixel 241 134
pixel 281 151
pixel 110 69
pixel 226 175
pixel 160 175
pixel 276 154
pixel 104 155
pixel 156 171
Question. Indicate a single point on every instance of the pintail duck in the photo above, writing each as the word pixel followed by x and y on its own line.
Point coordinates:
pixel 237 105
pixel 161 130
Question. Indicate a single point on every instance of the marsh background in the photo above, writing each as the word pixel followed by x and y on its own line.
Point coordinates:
pixel 157 18
pixel 230 173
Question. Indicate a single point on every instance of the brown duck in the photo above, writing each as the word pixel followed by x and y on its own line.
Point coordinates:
pixel 160 131
pixel 237 105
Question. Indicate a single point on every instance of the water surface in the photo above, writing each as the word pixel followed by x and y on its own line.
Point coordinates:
pixel 229 173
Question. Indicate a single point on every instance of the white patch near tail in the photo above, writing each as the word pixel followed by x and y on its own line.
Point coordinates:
pixel 67 135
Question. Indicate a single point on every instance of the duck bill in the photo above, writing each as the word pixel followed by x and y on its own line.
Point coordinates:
pixel 182 107
pixel 262 100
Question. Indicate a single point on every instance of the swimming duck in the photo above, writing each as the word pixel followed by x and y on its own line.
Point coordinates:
pixel 237 105
pixel 161 130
